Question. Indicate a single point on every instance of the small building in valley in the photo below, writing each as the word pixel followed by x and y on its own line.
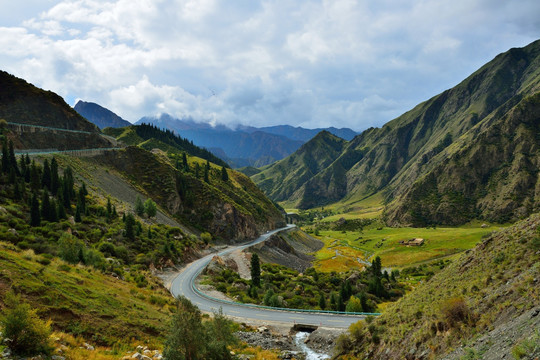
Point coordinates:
pixel 413 242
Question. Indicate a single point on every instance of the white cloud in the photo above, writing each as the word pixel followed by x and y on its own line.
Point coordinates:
pixel 315 63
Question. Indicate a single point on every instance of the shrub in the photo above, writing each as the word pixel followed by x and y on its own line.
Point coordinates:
pixel 357 331
pixel 455 311
pixel 28 334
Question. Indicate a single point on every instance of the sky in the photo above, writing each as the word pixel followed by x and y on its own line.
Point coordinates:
pixel 310 63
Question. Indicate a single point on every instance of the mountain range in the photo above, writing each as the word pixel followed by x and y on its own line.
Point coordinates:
pixel 469 152
pixel 243 146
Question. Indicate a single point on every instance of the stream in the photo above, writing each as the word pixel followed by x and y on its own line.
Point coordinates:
pixel 299 339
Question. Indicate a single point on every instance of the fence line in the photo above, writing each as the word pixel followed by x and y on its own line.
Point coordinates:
pixel 79 152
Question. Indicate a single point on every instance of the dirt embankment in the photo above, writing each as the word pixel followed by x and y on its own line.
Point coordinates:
pixel 290 248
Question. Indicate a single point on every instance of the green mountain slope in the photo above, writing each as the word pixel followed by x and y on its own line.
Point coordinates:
pixel 405 150
pixel 282 180
pixel 234 209
pixel 482 306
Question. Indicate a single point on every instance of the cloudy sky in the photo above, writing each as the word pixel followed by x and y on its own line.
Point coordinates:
pixel 310 63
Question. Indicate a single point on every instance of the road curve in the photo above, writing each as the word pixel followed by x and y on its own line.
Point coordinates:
pixel 183 284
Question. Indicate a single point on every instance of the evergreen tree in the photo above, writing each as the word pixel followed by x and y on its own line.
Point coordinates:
pixel 322 302
pixel 45 206
pixel 109 209
pixel 376 267
pixel 197 168
pixel 139 206
pixel 255 270
pixel 12 159
pixel 22 166
pixel 224 174
pixel 35 182
pixel 55 181
pixel 130 226
pixel 340 303
pixel 27 167
pixel 69 184
pixel 333 301
pixel 185 162
pixel 46 176
pixel 78 212
pixel 60 210
pixel 54 212
pixel 5 157
pixel 186 339
pixel 150 208
pixel 35 217
pixel 206 178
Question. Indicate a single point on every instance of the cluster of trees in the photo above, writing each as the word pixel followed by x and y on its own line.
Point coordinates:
pixel 49 195
pixel 278 286
pixel 148 131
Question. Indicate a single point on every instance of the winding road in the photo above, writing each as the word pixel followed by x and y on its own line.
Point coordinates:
pixel 183 284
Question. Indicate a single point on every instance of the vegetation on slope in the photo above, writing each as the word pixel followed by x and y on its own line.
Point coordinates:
pixel 444 162
pixel 197 193
pixel 281 180
pixel 487 286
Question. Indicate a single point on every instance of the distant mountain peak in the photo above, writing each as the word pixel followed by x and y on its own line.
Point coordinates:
pixel 100 116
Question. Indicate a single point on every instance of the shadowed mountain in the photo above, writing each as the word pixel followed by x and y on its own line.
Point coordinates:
pixel 99 115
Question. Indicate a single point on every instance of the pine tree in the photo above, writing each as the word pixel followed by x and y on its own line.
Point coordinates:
pixel 60 210
pixel 35 218
pixel 12 159
pixel 78 212
pixel 45 206
pixel 255 270
pixel 5 157
pixel 55 181
pixel 150 208
pixel 376 267
pixel 27 165
pixel 185 162
pixel 139 206
pixel 130 226
pixel 81 199
pixel 35 183
pixel 224 174
pixel 46 176
pixel 322 302
pixel 206 178
pixel 333 301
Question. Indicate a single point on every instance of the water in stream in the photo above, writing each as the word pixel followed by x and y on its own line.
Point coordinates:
pixel 299 339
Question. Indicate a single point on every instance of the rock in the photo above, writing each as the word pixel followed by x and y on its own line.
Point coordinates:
pixel 147 352
pixel 245 357
pixel 263 329
pixel 88 347
pixel 140 356
pixel 13 231
pixel 57 357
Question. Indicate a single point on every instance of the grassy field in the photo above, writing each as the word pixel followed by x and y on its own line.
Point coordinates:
pixel 345 250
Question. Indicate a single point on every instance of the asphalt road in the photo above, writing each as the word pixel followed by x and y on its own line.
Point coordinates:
pixel 183 284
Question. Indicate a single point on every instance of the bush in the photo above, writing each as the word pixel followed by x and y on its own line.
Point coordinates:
pixel 28 334
pixel 456 311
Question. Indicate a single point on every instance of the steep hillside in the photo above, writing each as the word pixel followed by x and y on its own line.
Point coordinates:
pixel 484 305
pixel 99 115
pixel 232 209
pixel 32 112
pixel 490 173
pixel 410 148
pixel 21 102
pixel 282 180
